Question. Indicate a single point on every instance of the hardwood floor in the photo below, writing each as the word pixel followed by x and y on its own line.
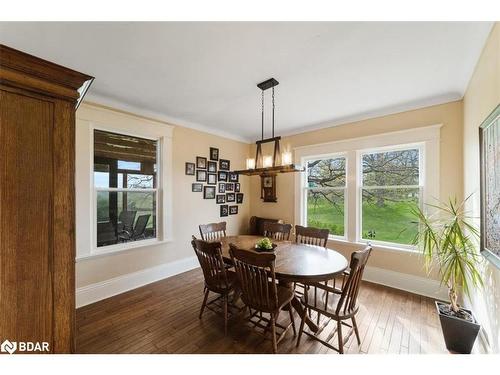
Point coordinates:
pixel 163 318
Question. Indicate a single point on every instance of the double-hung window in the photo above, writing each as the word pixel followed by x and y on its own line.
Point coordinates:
pixel 390 190
pixel 125 188
pixel 325 194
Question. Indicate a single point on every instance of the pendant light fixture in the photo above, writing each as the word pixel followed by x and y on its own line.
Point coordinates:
pixel 267 165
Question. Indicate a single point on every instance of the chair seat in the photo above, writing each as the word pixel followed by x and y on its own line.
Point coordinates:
pixel 327 307
pixel 285 295
pixel 213 283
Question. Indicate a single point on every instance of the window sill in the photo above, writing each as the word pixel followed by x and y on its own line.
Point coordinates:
pixel 120 248
pixel 376 246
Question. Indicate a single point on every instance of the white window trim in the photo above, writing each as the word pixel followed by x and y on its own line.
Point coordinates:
pixel 90 118
pixel 427 137
pixel 305 188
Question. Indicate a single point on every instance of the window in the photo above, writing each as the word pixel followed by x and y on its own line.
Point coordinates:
pixel 125 188
pixel 364 189
pixel 325 194
pixel 390 189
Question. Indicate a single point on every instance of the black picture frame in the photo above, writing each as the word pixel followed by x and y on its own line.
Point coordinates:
pixel 233 210
pixel 209 192
pixel 489 148
pixel 237 187
pixel 224 210
pixel 201 175
pixel 229 187
pixel 212 166
pixel 201 162
pixel 222 188
pixel 196 188
pixel 220 198
pixel 222 176
pixel 224 164
pixel 214 153
pixel 239 198
pixel 212 178
pixel 190 169
pixel 230 197
pixel 234 177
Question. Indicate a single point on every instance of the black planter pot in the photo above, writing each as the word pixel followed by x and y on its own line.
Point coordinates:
pixel 459 334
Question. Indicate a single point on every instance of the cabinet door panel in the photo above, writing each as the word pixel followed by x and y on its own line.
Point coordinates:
pixel 26 217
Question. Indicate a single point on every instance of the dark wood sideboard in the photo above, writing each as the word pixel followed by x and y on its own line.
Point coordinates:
pixel 38 101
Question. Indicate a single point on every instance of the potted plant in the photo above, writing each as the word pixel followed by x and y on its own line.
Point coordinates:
pixel 265 244
pixel 448 241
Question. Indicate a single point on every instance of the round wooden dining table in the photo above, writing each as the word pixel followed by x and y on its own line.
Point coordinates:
pixel 295 263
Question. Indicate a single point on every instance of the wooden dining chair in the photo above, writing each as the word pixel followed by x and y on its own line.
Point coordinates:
pixel 277 231
pixel 311 236
pixel 218 279
pixel 260 292
pixel 337 304
pixel 213 231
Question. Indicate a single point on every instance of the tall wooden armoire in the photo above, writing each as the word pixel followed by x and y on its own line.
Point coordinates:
pixel 38 100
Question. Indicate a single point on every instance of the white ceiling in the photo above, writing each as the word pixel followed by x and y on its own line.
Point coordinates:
pixel 205 74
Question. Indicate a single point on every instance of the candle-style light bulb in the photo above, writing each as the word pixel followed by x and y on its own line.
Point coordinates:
pixel 250 163
pixel 267 161
pixel 286 158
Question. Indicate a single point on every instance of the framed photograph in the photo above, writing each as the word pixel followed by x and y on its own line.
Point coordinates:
pixel 196 188
pixel 239 198
pixel 222 188
pixel 220 198
pixel 214 153
pixel 209 192
pixel 230 197
pixel 224 164
pixel 229 187
pixel 233 210
pixel 201 162
pixel 201 176
pixel 222 176
pixel 212 166
pixel 237 187
pixel 489 146
pixel 190 168
pixel 212 179
pixel 224 210
pixel 234 177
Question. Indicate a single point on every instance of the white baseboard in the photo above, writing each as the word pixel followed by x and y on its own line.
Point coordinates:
pixel 410 283
pixel 108 288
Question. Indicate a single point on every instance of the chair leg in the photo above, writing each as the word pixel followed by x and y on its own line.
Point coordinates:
pixel 204 302
pixel 225 298
pixel 301 329
pixel 273 333
pixel 292 320
pixel 355 326
pixel 339 334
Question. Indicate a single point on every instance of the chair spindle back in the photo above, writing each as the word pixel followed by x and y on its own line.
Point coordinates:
pixel 277 231
pixel 210 257
pixel 213 231
pixel 257 279
pixel 311 236
pixel 349 296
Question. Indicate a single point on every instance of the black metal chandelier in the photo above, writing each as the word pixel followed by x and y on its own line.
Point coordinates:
pixel 266 165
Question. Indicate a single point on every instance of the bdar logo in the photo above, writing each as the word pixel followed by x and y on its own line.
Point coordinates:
pixel 9 347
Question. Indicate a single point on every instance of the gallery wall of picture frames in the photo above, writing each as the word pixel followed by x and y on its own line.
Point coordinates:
pixel 215 180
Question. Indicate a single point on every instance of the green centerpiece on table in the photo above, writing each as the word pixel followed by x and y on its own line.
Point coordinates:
pixel 265 244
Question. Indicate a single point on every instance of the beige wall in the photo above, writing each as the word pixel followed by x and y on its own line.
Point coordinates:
pixel 449 115
pixel 189 210
pixel 481 98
